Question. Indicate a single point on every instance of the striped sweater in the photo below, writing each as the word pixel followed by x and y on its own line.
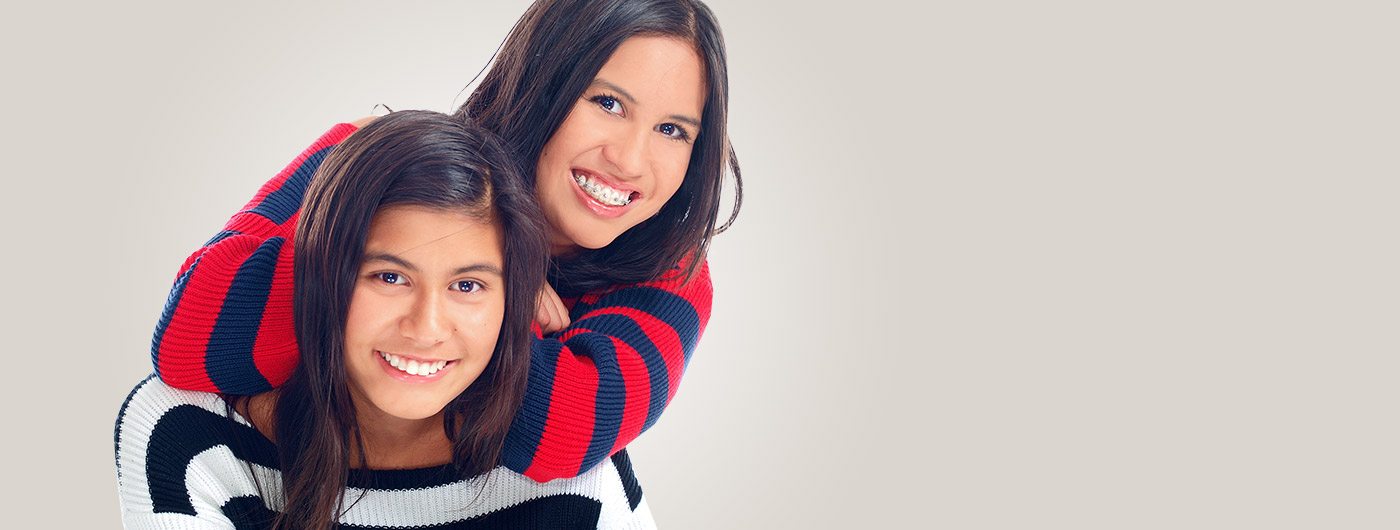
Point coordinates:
pixel 227 327
pixel 186 460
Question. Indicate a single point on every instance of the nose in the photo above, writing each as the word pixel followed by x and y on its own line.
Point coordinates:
pixel 627 152
pixel 428 323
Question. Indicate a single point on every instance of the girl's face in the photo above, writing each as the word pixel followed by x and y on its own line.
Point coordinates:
pixel 426 310
pixel 623 150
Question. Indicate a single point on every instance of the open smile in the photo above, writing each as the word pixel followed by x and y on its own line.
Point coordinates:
pixel 603 196
pixel 413 369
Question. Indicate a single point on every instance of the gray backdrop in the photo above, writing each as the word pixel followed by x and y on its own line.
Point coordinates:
pixel 1000 265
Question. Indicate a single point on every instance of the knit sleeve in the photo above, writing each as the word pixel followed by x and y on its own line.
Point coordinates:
pixel 227 323
pixel 167 475
pixel 597 384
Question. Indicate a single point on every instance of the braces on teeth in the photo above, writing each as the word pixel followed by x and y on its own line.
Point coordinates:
pixel 602 192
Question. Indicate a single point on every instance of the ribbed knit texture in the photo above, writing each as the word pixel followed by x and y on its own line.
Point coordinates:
pixel 184 460
pixel 593 388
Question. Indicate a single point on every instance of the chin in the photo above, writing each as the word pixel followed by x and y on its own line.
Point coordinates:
pixel 595 240
pixel 596 244
pixel 414 411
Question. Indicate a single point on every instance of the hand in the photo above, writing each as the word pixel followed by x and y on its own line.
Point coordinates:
pixel 550 311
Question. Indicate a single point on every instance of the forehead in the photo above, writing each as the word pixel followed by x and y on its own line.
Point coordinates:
pixel 433 237
pixel 665 74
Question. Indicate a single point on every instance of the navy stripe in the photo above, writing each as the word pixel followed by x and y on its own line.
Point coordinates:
pixel 172 301
pixel 222 235
pixel 629 479
pixel 248 513
pixel 528 427
pixel 279 205
pixel 610 399
pixel 404 479
pixel 628 331
pixel 185 431
pixel 666 306
pixel 229 357
pixel 563 511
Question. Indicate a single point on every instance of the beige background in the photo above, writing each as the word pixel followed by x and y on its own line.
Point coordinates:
pixel 1001 264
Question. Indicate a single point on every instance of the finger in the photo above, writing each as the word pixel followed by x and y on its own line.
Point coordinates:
pixel 544 308
pixel 561 313
pixel 557 320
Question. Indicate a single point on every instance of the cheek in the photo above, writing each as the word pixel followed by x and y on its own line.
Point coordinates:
pixel 672 173
pixel 358 320
pixel 481 323
pixel 550 178
pixel 480 327
pixel 580 133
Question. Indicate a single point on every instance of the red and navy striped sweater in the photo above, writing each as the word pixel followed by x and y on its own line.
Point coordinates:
pixel 594 387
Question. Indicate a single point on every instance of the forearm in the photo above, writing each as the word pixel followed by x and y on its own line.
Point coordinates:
pixel 227 323
pixel 597 385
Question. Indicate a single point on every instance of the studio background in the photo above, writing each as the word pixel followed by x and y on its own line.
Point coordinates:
pixel 1003 265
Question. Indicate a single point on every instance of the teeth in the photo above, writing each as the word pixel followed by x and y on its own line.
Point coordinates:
pixel 413 367
pixel 604 193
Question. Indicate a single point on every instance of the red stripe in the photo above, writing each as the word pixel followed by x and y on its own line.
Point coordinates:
pixel 189 262
pixel 637 384
pixel 667 341
pixel 275 349
pixel 568 426
pixel 700 293
pixel 186 340
pixel 337 134
pixel 253 224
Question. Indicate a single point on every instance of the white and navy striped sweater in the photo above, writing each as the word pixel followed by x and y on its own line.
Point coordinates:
pixel 185 461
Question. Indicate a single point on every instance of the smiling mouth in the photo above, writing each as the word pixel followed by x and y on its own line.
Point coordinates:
pixel 603 193
pixel 415 367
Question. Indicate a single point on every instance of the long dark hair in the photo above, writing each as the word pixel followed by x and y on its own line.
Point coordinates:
pixel 404 158
pixel 545 64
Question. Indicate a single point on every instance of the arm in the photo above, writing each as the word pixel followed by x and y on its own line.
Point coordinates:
pixel 227 324
pixel 595 386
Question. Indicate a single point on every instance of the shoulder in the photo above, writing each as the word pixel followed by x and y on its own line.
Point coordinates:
pixel 159 422
pixel 152 399
pixel 682 301
pixel 181 452
pixel 332 137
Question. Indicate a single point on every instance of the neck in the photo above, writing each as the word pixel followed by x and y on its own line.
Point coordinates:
pixel 390 443
pixel 560 246
pixel 398 443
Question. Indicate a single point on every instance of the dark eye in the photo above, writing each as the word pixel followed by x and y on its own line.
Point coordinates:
pixel 390 278
pixel 673 131
pixel 466 286
pixel 609 103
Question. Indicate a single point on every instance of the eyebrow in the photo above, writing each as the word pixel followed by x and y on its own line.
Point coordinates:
pixel 627 96
pixel 475 267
